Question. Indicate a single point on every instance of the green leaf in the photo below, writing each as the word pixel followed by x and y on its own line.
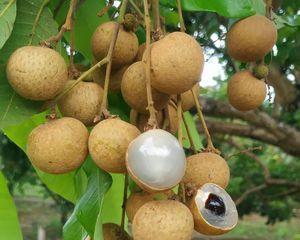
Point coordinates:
pixel 8 12
pixel 86 22
pixel 226 8
pixel 193 131
pixel 33 24
pixel 9 223
pixel 62 184
pixel 73 230
pixel 259 6
pixel 90 204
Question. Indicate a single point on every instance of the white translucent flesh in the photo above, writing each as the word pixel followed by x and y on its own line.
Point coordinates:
pixel 229 219
pixel 157 159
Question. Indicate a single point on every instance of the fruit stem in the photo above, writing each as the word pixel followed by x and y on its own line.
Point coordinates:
pixel 181 20
pixel 72 38
pixel 181 192
pixel 124 200
pixel 179 116
pixel 82 77
pixel 157 26
pixel 210 147
pixel 152 122
pixel 136 8
pixel 103 110
pixel 188 130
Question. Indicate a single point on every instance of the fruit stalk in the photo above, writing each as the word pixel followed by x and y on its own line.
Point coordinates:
pixel 152 119
pixel 157 26
pixel 179 115
pixel 181 20
pixel 210 147
pixel 109 57
pixel 136 8
pixel 124 201
pixel 72 36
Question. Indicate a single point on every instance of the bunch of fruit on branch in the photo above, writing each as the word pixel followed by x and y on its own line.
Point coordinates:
pixel 146 150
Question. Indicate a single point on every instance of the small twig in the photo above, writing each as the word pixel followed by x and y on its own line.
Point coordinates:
pixel 137 9
pixel 152 122
pixel 73 72
pixel 181 19
pixel 251 149
pixel 179 116
pixel 210 147
pixel 124 200
pixel 106 8
pixel 188 131
pixel 250 191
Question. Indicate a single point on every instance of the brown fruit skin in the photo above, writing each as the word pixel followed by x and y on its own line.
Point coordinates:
pixel 245 92
pixel 112 231
pixel 115 78
pixel 58 146
pixel 37 73
pixel 187 99
pixel 82 102
pixel 206 167
pixel 163 220
pixel 137 200
pixel 251 38
pixel 140 53
pixel 134 90
pixel 125 49
pixel 108 144
pixel 201 225
pixel 176 63
pixel 142 120
pixel 171 112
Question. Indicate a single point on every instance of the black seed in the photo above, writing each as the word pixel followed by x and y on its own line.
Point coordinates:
pixel 215 204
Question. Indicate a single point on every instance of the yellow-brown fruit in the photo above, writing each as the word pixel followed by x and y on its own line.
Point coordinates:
pixel 112 231
pixel 140 53
pixel 82 102
pixel 176 63
pixel 108 143
pixel 205 168
pixel 130 22
pixel 251 38
pixel 261 71
pixel 37 73
pixel 163 220
pixel 115 78
pixel 187 99
pixel 58 146
pixel 171 115
pixel 125 49
pixel 137 200
pixel 213 210
pixel 245 92
pixel 134 90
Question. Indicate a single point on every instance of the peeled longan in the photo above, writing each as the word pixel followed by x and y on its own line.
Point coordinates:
pixel 187 99
pixel 115 78
pixel 126 45
pixel 37 73
pixel 58 146
pixel 176 63
pixel 134 89
pixel 108 144
pixel 82 102
pixel 205 168
pixel 250 39
pixel 163 220
pixel 112 231
pixel 245 92
pixel 137 200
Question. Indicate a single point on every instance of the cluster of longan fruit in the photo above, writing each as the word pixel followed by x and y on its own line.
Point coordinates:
pixel 154 159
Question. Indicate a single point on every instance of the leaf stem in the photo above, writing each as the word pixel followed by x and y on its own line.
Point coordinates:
pixel 152 122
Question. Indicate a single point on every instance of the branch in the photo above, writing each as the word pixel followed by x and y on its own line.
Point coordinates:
pixel 248 192
pixel 260 126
